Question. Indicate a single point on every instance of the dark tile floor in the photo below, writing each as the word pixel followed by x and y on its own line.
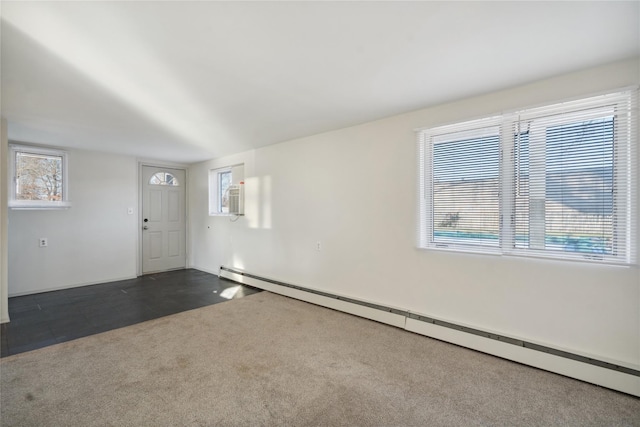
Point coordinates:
pixel 48 318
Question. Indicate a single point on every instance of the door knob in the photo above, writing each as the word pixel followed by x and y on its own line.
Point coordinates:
pixel 146 227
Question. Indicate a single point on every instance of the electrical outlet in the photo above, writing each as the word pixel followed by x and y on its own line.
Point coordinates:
pixel 43 242
pixel 318 246
pixel 130 211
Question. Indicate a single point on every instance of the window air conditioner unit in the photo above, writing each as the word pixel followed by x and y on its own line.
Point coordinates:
pixel 236 199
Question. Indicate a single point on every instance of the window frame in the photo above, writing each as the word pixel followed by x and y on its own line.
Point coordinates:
pixel 622 104
pixel 215 189
pixel 16 204
pixel 430 137
pixel 221 192
pixel 537 145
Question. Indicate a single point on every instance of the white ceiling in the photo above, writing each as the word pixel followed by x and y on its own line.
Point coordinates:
pixel 192 81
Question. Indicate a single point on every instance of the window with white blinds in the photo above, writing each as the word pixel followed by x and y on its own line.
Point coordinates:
pixel 465 192
pixel 558 181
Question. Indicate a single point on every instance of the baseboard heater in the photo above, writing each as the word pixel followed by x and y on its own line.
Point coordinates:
pixel 429 320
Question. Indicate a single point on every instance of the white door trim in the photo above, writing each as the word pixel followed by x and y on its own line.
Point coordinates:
pixel 168 165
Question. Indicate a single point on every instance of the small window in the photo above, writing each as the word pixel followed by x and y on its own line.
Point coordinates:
pixel 220 182
pixel 164 178
pixel 39 178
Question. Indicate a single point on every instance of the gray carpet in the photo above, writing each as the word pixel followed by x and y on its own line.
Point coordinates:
pixel 269 360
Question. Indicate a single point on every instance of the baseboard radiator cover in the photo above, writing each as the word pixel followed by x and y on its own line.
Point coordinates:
pixel 593 370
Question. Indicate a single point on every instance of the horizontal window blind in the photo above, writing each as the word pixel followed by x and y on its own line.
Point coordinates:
pixel 573 168
pixel 557 181
pixel 465 185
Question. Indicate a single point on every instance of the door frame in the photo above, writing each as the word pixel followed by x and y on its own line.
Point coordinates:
pixel 168 165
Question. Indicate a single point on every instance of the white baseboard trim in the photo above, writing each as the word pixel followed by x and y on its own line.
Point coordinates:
pixel 75 285
pixel 627 382
pixel 206 270
pixel 571 368
pixel 344 306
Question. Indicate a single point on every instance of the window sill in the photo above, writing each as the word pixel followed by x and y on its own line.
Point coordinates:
pixel 24 205
pixel 576 258
pixel 539 255
pixel 462 250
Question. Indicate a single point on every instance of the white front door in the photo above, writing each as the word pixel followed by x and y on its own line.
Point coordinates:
pixel 163 219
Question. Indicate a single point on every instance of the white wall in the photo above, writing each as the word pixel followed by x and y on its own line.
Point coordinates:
pixel 355 191
pixel 4 190
pixel 92 242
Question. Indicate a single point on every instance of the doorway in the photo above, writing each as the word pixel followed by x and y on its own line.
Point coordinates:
pixel 163 221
